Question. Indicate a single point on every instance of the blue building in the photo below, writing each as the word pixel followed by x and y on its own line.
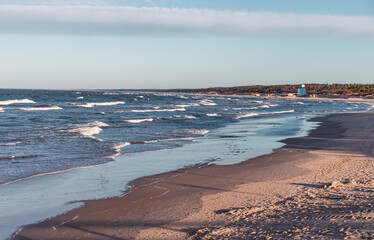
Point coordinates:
pixel 301 91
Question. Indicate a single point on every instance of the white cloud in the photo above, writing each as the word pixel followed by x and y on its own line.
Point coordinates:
pixel 112 20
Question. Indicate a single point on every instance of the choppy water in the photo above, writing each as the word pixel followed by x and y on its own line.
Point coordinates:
pixel 45 131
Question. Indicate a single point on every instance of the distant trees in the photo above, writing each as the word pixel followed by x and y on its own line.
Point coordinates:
pixel 346 89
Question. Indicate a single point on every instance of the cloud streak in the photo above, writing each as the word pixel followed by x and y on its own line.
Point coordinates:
pixel 120 20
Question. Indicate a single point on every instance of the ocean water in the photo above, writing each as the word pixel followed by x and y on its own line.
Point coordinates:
pixel 62 146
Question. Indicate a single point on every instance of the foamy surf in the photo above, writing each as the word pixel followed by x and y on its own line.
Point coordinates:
pixel 90 129
pixel 213 115
pixel 158 110
pixel 245 115
pixel 41 108
pixel 2 109
pixel 184 116
pixel 90 105
pixel 207 102
pixel 16 101
pixel 138 120
pixel 11 143
pixel 117 147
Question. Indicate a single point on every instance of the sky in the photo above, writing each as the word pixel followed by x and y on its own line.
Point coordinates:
pixel 148 44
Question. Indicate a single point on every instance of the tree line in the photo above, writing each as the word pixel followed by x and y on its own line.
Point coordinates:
pixel 346 89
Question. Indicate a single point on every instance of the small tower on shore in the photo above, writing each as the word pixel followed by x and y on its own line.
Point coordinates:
pixel 301 91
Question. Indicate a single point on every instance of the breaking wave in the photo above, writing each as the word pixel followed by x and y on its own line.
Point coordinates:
pixel 42 108
pixel 184 116
pixel 159 110
pixel 90 105
pixel 9 102
pixel 138 120
pixel 213 115
pixel 90 129
pixel 207 102
pixel 245 115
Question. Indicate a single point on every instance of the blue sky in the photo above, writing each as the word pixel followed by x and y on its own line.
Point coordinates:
pixel 69 44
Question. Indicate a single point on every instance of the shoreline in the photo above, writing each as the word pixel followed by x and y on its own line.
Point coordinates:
pixel 165 198
pixel 350 99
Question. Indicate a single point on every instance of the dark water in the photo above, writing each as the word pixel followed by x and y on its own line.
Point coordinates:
pixel 44 131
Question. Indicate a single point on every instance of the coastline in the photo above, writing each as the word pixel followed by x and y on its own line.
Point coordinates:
pixel 158 204
pixel 349 99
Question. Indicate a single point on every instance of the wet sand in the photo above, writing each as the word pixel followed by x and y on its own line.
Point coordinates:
pixel 323 180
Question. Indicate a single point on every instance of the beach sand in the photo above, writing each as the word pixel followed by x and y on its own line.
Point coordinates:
pixel 320 186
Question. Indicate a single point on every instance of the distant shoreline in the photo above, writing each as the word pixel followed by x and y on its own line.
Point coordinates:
pixel 338 98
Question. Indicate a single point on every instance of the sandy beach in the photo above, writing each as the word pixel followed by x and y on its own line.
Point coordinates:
pixel 320 186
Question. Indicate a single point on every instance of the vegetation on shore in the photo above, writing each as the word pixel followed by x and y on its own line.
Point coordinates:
pixel 343 89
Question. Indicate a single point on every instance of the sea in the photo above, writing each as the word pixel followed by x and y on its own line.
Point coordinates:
pixel 58 148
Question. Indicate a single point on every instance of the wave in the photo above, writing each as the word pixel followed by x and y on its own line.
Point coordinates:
pixel 79 98
pixel 45 174
pixel 117 147
pixel 159 110
pixel 213 115
pixel 90 105
pixel 90 129
pixel 10 144
pixel 9 102
pixel 188 105
pixel 287 111
pixel 198 131
pixel 245 115
pixel 184 116
pixel 2 109
pixel 138 120
pixel 244 108
pixel 17 157
pixel 207 102
pixel 168 139
pixel 42 108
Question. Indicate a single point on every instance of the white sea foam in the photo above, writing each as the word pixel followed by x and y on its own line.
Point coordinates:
pixel 246 108
pixel 90 129
pixel 198 131
pixel 207 102
pixel 169 139
pixel 184 116
pixel 159 110
pixel 2 109
pixel 110 93
pixel 9 102
pixel 245 115
pixel 287 111
pixel 138 120
pixel 265 106
pixel 188 105
pixel 117 147
pixel 41 108
pixel 79 98
pixel 90 105
pixel 213 115
pixel 10 144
